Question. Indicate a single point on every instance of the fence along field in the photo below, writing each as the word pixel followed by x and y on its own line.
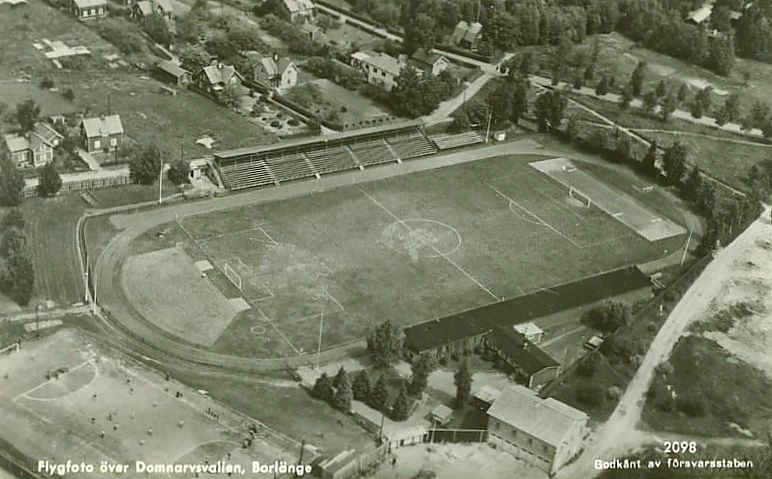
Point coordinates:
pixel 410 248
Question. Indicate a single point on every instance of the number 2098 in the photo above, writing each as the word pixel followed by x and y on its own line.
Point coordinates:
pixel 675 447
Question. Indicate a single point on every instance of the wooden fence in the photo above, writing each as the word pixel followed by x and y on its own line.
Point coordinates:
pixel 86 184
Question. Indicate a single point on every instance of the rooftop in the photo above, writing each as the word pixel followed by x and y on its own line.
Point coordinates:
pixel 102 126
pixel 385 62
pixel 438 332
pixel 299 5
pixel 546 419
pixel 529 357
pixel 171 68
pixel 81 4
pixel 423 56
pixel 487 394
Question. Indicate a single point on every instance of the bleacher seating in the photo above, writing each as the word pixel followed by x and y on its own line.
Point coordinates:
pixel 290 167
pixel 247 175
pixel 412 146
pixel 446 142
pixel 330 160
pixel 372 153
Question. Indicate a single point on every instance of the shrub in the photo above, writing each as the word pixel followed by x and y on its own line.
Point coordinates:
pixel 692 406
pixel 68 94
pixel 46 83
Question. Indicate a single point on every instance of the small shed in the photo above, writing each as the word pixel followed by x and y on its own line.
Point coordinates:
pixel 172 73
pixel 441 415
pixel 531 332
pixel 483 398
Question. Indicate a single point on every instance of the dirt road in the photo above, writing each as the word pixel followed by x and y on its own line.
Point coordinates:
pixel 617 436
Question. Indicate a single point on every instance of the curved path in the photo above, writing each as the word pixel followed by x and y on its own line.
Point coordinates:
pixel 147 339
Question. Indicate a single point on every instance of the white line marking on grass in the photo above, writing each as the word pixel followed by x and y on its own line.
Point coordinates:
pixel 534 215
pixel 453 263
pixel 88 361
pixel 270 238
pixel 519 215
pixel 563 206
pixel 279 331
pixel 204 444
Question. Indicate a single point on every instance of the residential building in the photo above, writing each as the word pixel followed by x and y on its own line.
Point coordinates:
pixel 215 77
pixel 379 68
pixel 429 63
pixel 35 148
pixel 89 9
pixel 297 11
pixel 172 73
pixel 461 333
pixel 102 133
pixel 311 31
pixel 544 432
pixel 467 35
pixel 525 358
pixel 143 8
pixel 276 72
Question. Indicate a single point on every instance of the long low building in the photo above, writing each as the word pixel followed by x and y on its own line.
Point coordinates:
pixel 461 333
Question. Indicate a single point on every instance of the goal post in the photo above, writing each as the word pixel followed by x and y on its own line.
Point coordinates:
pixel 232 276
pixel 12 348
pixel 580 197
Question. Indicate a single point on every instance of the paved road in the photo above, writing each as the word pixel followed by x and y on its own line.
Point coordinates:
pixel 615 438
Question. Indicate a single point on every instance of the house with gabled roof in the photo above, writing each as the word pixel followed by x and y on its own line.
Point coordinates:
pixel 102 133
pixel 172 73
pixel 89 9
pixel 430 63
pixel 276 72
pixel 467 35
pixel 297 11
pixel 34 148
pixel 216 76
pixel 545 432
pixel 144 8
pixel 379 68
pixel 524 357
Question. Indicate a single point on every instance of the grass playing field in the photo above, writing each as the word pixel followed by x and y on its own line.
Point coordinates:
pixel 102 408
pixel 409 248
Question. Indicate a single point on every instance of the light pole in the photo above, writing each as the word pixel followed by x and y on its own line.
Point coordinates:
pixel 161 182
pixel 37 320
pixel 686 248
pixel 321 329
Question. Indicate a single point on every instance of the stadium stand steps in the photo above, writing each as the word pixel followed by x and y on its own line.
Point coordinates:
pixel 247 175
pixel 372 153
pixel 412 147
pixel 446 142
pixel 331 160
pixel 290 167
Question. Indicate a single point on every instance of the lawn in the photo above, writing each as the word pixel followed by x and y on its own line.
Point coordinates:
pixel 725 159
pixel 51 103
pixel 409 248
pixel 348 106
pixel 733 392
pixel 130 194
pixel 350 35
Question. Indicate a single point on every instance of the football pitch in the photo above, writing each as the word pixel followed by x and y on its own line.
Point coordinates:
pixel 409 248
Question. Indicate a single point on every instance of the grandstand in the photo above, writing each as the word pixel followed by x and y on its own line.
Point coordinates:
pixel 446 142
pixel 311 157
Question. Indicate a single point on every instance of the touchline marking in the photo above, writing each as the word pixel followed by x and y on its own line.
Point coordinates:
pixel 534 215
pixel 275 328
pixel 88 361
pixel 436 251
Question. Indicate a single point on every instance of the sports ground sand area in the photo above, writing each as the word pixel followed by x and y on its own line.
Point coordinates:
pixel 617 204
pixel 166 287
pixel 142 419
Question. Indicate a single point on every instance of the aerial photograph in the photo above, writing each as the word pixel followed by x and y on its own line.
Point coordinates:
pixel 386 239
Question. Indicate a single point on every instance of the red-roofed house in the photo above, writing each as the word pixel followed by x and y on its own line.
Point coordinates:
pixel 276 72
pixel 34 149
pixel 102 132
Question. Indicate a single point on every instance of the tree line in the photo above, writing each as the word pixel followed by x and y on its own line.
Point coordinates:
pixel 17 273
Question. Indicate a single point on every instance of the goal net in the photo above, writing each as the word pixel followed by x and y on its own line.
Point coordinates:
pixel 232 275
pixel 10 349
pixel 580 197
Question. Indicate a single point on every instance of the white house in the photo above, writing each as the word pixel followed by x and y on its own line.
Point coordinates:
pixel 35 148
pixel 279 73
pixel 380 68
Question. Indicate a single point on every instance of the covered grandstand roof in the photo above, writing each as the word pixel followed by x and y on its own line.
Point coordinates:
pixel 319 140
pixel 450 329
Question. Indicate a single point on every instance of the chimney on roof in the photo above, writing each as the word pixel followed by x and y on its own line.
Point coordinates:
pixel 276 57
pixel 219 65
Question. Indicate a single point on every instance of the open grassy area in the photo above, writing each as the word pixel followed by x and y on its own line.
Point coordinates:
pixel 409 248
pixel 130 194
pixel 733 392
pixel 725 159
pixel 342 105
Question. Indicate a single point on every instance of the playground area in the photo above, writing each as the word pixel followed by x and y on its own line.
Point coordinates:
pixel 63 398
pixel 328 267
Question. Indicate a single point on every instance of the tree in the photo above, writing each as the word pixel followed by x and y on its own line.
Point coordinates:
pixel 379 395
pixel 50 182
pixel 650 160
pixel 674 162
pixel 401 409
pixel 158 29
pixel 766 129
pixel 46 83
pixel 706 199
pixel 526 64
pixel 722 117
pixel 145 165
pixel 721 18
pixel 697 109
pixel 339 377
pixel 27 115
pixel 693 184
pixel 193 58
pixel 361 386
pixel 179 172
pixel 549 109
pixel 460 121
pixel 626 97
pixel 406 95
pixel 668 106
pixel 683 93
pixel 21 275
pixel 721 55
pixel 578 82
pixel 650 102
pixel 637 78
pixel 13 241
pixel 602 88
pixel 13 219
pixel 732 106
pixel 68 94
pixel 705 96
pixel 385 343
pixel 323 388
pixel 343 394
pixel 607 317
pixel 463 381
pixel 661 89
pixel 422 368
pixel 419 33
pixel 11 184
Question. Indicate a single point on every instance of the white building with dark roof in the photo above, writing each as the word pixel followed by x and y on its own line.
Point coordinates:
pixel 89 9
pixel 467 35
pixel 544 432
pixel 379 68
pixel 297 10
pixel 35 148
